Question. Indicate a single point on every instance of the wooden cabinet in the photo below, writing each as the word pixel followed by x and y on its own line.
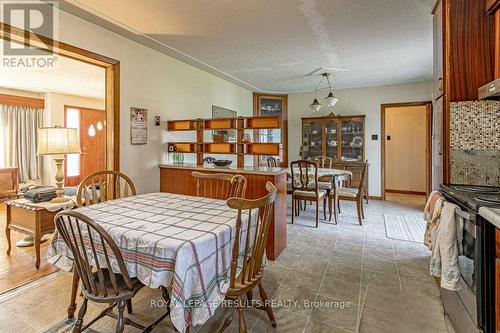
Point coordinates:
pixel 497 281
pixel 272 105
pixel 340 137
pixel 493 9
pixel 437 22
pixel 464 58
pixel 437 143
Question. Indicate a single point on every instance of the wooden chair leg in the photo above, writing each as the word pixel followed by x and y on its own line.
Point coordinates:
pixel 129 306
pixel 330 207
pixel 241 308
pixel 249 296
pixel 317 213
pixel 324 207
pixel 120 324
pixel 362 208
pixel 74 290
pixel 267 304
pixel 358 206
pixel 81 313
pixel 293 209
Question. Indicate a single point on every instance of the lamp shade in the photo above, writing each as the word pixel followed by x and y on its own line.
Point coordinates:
pixel 315 106
pixel 331 100
pixel 58 141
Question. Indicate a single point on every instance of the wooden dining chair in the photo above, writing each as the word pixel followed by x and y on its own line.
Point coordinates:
pixel 355 192
pixel 323 161
pixel 9 182
pixel 247 265
pixel 102 186
pixel 305 187
pixel 219 185
pixel 272 162
pixel 95 255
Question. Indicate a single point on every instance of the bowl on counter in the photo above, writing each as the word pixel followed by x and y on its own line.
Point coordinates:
pixel 222 163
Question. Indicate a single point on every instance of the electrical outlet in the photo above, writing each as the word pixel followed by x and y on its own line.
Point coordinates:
pixel 374 136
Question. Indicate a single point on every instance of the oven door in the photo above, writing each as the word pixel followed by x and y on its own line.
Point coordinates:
pixel 467 260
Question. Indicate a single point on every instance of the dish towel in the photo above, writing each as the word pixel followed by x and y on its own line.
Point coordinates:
pixel 447 248
pixel 432 213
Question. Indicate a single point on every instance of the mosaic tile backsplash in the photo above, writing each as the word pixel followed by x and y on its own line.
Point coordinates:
pixel 475 142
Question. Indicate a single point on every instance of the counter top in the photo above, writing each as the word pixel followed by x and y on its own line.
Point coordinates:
pixel 230 169
pixel 491 214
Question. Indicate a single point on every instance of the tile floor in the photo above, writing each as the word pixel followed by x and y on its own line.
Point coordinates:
pixel 337 278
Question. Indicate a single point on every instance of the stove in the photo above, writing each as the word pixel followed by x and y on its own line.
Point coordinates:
pixel 471 197
pixel 471 309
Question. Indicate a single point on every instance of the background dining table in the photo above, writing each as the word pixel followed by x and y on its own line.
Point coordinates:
pixel 177 241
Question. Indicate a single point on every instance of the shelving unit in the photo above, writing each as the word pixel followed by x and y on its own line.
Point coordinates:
pixel 238 148
pixel 340 137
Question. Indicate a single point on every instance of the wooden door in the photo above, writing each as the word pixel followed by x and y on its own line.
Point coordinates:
pixel 438 51
pixel 92 130
pixel 92 141
pixel 437 143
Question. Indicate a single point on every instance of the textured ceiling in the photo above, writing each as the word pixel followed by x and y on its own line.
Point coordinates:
pixel 271 45
pixel 68 76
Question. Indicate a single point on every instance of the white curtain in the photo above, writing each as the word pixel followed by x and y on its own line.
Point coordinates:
pixel 18 133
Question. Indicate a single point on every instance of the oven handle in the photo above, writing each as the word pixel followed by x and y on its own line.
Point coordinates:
pixel 469 219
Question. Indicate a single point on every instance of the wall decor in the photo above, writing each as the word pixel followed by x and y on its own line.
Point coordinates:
pixel 138 126
pixel 220 112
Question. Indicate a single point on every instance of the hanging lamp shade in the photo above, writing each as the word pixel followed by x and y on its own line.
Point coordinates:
pixel 315 106
pixel 331 100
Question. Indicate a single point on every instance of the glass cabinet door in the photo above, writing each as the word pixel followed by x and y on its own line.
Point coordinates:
pixel 271 106
pixel 352 140
pixel 331 132
pixel 312 139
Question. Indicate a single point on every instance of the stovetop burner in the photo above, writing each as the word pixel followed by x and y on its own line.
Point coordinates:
pixel 477 189
pixel 494 200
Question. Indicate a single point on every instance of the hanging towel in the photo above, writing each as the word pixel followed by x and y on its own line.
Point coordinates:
pixel 432 213
pixel 447 247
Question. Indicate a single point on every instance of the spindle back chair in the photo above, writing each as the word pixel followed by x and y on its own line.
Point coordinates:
pixel 102 186
pixel 219 185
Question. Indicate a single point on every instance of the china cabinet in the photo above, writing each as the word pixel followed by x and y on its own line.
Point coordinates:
pixel 340 137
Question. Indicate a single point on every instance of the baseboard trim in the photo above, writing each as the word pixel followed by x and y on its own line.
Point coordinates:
pixel 404 192
pixel 373 197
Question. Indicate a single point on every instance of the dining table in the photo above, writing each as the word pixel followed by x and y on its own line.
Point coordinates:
pixel 181 242
pixel 338 174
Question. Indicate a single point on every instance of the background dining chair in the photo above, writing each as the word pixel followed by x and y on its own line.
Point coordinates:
pixel 323 161
pixel 94 252
pixel 305 187
pixel 102 186
pixel 272 162
pixel 247 266
pixel 219 185
pixel 355 192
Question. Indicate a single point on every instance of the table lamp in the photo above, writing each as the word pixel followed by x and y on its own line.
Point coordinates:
pixel 58 141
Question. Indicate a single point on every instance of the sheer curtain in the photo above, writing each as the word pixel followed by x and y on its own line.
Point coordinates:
pixel 18 133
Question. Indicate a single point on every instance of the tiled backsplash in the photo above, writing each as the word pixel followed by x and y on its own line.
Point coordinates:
pixel 475 142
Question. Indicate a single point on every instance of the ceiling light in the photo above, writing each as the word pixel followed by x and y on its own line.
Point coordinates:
pixel 331 100
pixel 315 106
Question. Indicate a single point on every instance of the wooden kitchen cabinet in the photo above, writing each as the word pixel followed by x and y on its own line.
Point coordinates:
pixel 464 57
pixel 493 8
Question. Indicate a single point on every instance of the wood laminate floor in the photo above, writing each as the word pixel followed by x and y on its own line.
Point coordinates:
pixel 19 267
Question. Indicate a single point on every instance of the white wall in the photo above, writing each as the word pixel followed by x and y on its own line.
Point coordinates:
pixel 165 86
pixel 22 93
pixel 356 101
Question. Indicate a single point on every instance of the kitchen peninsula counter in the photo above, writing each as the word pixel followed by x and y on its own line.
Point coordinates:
pixel 177 179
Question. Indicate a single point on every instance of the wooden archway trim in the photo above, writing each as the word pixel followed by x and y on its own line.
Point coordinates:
pixel 112 77
pixel 28 102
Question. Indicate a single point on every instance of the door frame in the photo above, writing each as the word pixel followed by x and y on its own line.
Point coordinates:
pixel 112 77
pixel 428 142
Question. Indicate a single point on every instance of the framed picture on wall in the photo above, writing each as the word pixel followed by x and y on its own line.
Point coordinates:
pixel 138 126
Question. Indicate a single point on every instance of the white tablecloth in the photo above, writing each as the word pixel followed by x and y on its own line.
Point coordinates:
pixel 169 240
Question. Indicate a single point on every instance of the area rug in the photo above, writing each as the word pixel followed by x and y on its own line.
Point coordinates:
pixel 65 326
pixel 410 228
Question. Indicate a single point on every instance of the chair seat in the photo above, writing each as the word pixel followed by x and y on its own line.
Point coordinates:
pixel 123 291
pixel 321 193
pixel 325 185
pixel 347 192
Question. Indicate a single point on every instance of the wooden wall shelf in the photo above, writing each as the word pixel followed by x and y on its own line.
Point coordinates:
pixel 239 148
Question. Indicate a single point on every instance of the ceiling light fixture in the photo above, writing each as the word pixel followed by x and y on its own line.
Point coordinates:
pixel 329 100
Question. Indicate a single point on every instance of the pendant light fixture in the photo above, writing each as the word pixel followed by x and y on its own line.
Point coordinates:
pixel 329 100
